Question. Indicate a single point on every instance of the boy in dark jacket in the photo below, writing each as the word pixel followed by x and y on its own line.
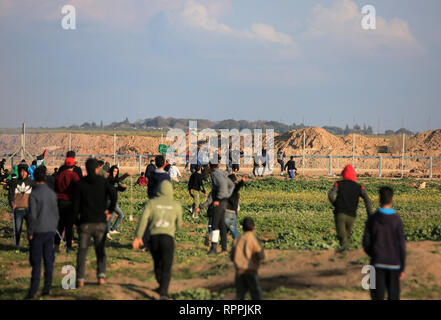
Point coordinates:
pixel 90 205
pixel 291 168
pixel 43 221
pixel 247 254
pixel 344 196
pixel 384 242
pixel 195 186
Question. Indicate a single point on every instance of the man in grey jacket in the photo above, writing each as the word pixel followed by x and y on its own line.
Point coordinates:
pixel 43 222
pixel 222 188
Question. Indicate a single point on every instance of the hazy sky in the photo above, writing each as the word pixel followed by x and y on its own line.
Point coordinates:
pixel 277 60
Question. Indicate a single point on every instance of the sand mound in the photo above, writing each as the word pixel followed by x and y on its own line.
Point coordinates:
pixel 317 140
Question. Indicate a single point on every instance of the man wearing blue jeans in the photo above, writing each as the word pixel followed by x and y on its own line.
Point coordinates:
pixel 43 222
pixel 120 215
pixel 18 197
pixel 291 168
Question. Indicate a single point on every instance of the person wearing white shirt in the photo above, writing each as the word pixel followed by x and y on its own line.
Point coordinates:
pixel 174 172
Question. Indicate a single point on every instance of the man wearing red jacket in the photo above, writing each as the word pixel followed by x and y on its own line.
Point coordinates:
pixel 344 196
pixel 64 188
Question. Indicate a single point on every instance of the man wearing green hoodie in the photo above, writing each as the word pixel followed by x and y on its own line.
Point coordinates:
pixel 163 216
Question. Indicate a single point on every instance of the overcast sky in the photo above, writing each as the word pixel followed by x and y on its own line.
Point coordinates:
pixel 277 60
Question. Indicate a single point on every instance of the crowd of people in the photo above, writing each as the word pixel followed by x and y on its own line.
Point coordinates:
pixel 53 205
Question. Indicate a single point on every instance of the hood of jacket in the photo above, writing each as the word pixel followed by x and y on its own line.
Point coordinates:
pixel 165 189
pixel 349 173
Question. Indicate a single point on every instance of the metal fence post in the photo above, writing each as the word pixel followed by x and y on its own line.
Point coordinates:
pixel 330 166
pixel 380 165
pixel 430 167
pixel 139 164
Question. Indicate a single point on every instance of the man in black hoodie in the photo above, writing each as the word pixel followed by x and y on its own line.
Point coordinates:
pixel 150 169
pixel 384 242
pixel 90 205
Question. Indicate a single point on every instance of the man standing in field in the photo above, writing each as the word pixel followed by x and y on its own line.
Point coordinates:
pixel 384 241
pixel 291 168
pixel 344 196
pixel 162 216
pixel 18 196
pixel 90 204
pixel 43 221
pixel 64 184
pixel 195 186
pixel 222 188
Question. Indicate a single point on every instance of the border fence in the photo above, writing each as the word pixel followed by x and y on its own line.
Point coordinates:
pixel 331 165
pixel 398 166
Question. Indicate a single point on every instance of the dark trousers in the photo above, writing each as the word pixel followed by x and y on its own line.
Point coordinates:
pixel 248 282
pixel 282 165
pixel 218 222
pixel 19 216
pixel 343 224
pixel 41 245
pixel 162 247
pixel 386 280
pixel 97 231
pixel 66 222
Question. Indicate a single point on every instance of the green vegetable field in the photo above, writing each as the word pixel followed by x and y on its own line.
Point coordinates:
pixel 293 219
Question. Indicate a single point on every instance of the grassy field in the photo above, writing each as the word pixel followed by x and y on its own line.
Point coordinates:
pixel 295 222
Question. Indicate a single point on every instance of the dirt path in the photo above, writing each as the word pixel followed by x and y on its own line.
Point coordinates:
pixel 305 275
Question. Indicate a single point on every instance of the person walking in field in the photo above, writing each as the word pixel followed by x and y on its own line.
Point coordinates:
pixel 90 206
pixel 344 196
pixel 18 197
pixel 281 160
pixel 163 216
pixel 154 181
pixel 115 181
pixel 174 172
pixel 384 242
pixel 195 186
pixel 232 210
pixel 247 254
pixel 64 184
pixel 150 169
pixel 43 222
pixel 222 188
pixel 291 168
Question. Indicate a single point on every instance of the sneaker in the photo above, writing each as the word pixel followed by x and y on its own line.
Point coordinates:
pixel 114 232
pixel 108 236
pixel 101 281
pixel 224 253
pixel 212 252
